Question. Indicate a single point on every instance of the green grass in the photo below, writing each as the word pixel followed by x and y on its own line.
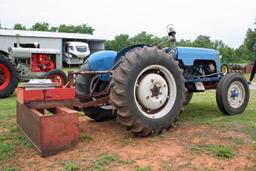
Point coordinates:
pixel 11 168
pixel 70 165
pixel 204 110
pixel 66 69
pixel 6 150
pixel 85 137
pixel 222 151
pixel 104 161
pixel 239 141
pixel 146 168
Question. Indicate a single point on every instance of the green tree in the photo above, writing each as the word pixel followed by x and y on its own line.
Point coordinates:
pixel 185 43
pixel 250 37
pixel 143 38
pixel 19 26
pixel 120 41
pixel 40 26
pixel 203 42
pixel 83 28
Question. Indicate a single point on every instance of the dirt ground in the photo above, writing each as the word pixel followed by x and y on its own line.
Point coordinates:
pixel 176 149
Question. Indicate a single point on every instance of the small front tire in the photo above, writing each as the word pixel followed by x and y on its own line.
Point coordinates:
pixel 232 94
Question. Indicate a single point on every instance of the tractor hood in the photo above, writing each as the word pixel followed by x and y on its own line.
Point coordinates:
pixel 188 54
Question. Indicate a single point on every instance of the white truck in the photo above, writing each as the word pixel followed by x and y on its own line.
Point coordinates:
pixel 76 52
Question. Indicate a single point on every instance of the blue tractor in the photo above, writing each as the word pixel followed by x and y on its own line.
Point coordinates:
pixel 146 87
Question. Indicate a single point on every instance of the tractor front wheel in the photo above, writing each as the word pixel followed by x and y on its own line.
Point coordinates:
pixel 8 78
pixel 147 91
pixel 232 94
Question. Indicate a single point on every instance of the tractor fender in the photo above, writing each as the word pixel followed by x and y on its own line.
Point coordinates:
pixel 4 54
pixel 106 60
pixel 122 52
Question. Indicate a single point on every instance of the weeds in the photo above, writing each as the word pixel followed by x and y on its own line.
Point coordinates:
pixel 221 151
pixel 70 165
pixel 104 161
pixel 6 150
pixel 146 168
pixel 85 137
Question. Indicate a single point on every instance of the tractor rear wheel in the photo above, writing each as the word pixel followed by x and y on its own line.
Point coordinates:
pixel 83 84
pixel 57 76
pixel 147 91
pixel 232 94
pixel 8 78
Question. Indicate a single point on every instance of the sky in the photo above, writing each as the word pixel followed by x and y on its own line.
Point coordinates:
pixel 226 20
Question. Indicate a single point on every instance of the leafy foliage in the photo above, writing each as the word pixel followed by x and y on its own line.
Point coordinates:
pixel 19 26
pixel 43 26
pixel 40 27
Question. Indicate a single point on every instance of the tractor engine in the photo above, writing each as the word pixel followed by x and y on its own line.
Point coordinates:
pixel 203 68
pixel 41 63
pixel 33 62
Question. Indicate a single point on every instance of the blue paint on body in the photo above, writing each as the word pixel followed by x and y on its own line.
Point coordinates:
pixel 102 61
pixel 105 60
pixel 188 55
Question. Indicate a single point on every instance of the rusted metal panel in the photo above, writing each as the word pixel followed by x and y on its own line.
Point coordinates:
pixel 43 119
pixel 57 94
pixel 48 133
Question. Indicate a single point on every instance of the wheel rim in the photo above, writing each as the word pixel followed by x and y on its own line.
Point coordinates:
pixel 58 79
pixel 155 91
pixel 5 77
pixel 224 69
pixel 236 94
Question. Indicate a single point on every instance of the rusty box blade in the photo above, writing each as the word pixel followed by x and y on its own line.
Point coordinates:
pixel 51 130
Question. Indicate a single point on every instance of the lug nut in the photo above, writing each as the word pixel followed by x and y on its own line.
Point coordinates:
pixel 152 80
pixel 148 97
pixel 160 101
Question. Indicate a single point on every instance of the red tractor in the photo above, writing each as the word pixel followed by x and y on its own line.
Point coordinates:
pixel 23 64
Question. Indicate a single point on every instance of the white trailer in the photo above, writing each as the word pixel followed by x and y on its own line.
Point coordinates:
pixel 73 47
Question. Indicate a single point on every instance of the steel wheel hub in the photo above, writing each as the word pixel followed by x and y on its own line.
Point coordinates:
pixel 152 91
pixel 155 91
pixel 236 94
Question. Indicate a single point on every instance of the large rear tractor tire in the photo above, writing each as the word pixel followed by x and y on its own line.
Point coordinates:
pixel 147 91
pixel 8 78
pixel 232 94
pixel 83 84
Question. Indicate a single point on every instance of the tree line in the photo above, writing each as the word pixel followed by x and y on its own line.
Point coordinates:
pixel 244 53
pixel 43 26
